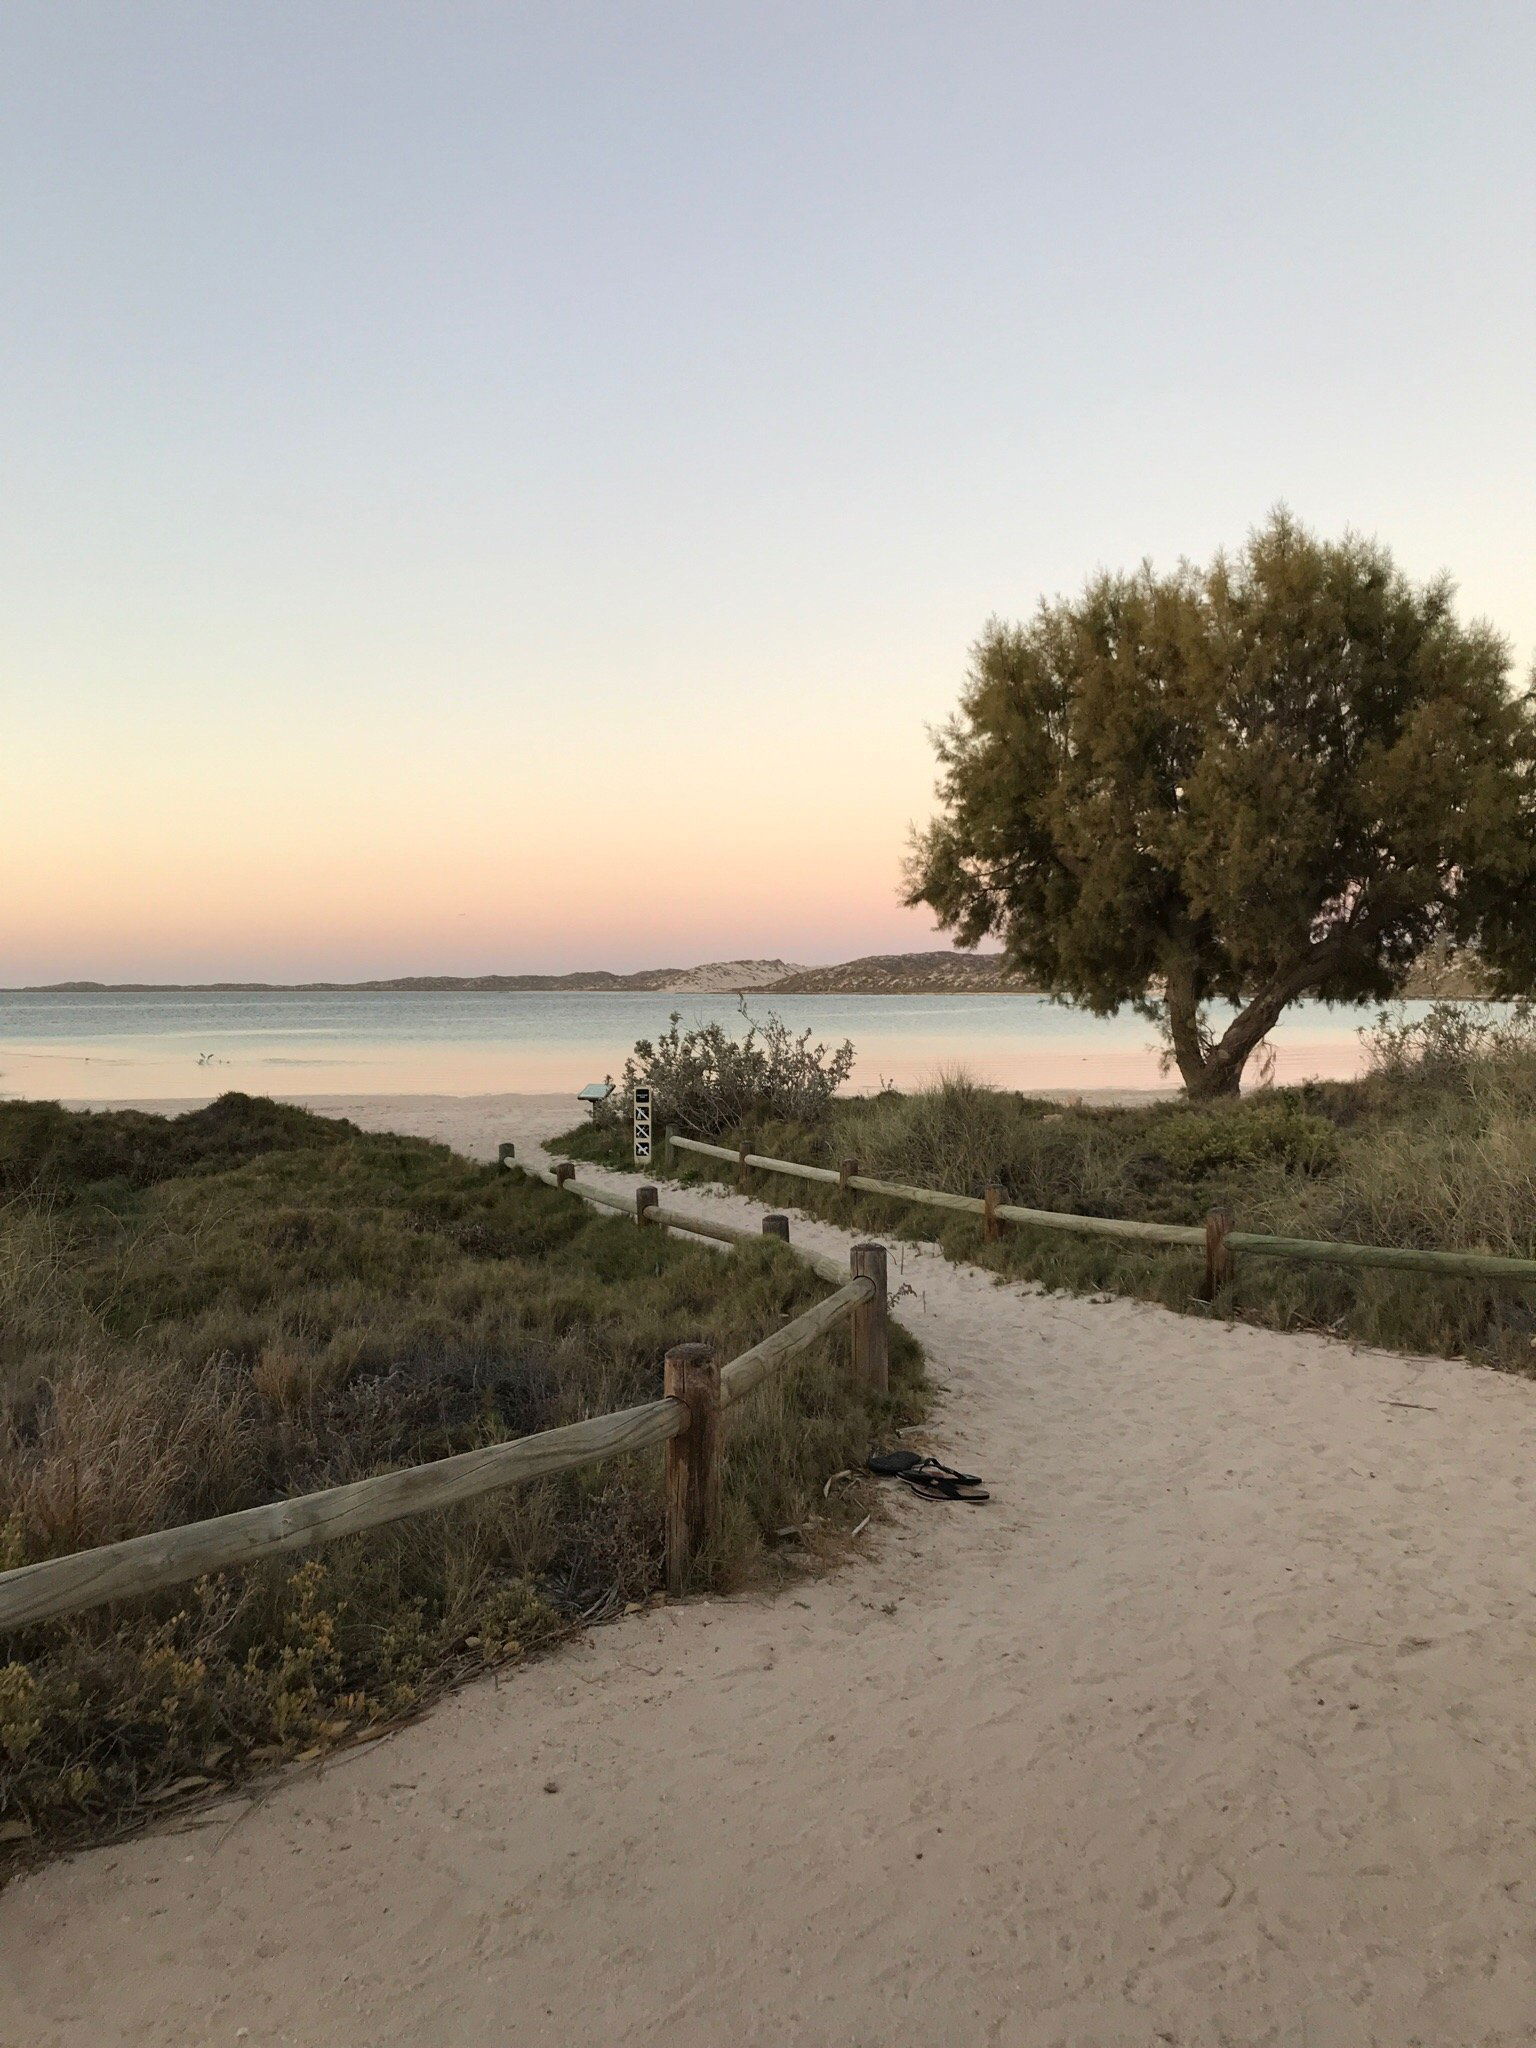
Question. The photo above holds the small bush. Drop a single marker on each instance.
(1450, 1039)
(705, 1081)
(1199, 1144)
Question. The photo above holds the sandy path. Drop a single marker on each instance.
(1215, 1727)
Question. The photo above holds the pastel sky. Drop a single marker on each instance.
(506, 486)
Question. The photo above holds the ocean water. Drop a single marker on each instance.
(99, 1047)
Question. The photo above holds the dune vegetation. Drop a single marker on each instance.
(248, 1302)
(1435, 1146)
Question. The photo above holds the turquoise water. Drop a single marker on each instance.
(100, 1047)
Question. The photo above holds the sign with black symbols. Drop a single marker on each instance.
(642, 1126)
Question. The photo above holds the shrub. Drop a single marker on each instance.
(705, 1081)
(1274, 1130)
(210, 1339)
(70, 1152)
(1449, 1039)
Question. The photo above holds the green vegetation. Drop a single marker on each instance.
(1288, 773)
(1434, 1147)
(250, 1302)
(705, 1080)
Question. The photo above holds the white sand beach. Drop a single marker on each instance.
(1213, 1727)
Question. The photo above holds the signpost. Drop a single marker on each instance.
(642, 1126)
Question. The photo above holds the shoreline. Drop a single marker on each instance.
(535, 1105)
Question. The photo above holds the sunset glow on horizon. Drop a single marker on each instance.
(509, 491)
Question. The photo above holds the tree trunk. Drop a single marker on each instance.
(1221, 1075)
(1184, 1034)
(1212, 1071)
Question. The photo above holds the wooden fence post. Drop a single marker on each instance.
(871, 1330)
(847, 1168)
(776, 1226)
(991, 1227)
(743, 1177)
(692, 1376)
(671, 1138)
(1218, 1258)
(645, 1198)
(563, 1172)
(506, 1152)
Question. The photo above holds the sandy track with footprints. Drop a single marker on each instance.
(1215, 1727)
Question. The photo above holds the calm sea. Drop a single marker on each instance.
(101, 1047)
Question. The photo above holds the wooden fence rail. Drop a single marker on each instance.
(677, 1220)
(1398, 1258)
(171, 1557)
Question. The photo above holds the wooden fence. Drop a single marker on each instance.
(1216, 1237)
(687, 1420)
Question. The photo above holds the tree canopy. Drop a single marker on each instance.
(1283, 774)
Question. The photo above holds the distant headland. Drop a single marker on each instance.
(1440, 973)
(876, 974)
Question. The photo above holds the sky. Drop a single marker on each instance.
(509, 487)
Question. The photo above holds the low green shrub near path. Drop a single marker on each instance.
(1434, 1147)
(203, 1314)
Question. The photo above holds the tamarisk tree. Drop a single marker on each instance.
(1281, 775)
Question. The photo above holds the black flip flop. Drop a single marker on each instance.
(891, 1464)
(898, 1464)
(940, 1486)
(927, 1477)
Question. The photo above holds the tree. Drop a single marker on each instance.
(1284, 774)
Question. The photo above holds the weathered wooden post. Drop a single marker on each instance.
(671, 1139)
(1218, 1256)
(692, 1376)
(645, 1198)
(776, 1226)
(563, 1172)
(743, 1177)
(871, 1329)
(991, 1195)
(506, 1152)
(847, 1168)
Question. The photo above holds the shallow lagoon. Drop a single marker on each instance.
(98, 1046)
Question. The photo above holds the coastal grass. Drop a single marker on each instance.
(202, 1314)
(1434, 1147)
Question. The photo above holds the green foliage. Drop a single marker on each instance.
(1452, 1040)
(66, 1153)
(1197, 1145)
(270, 1320)
(705, 1080)
(1288, 772)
